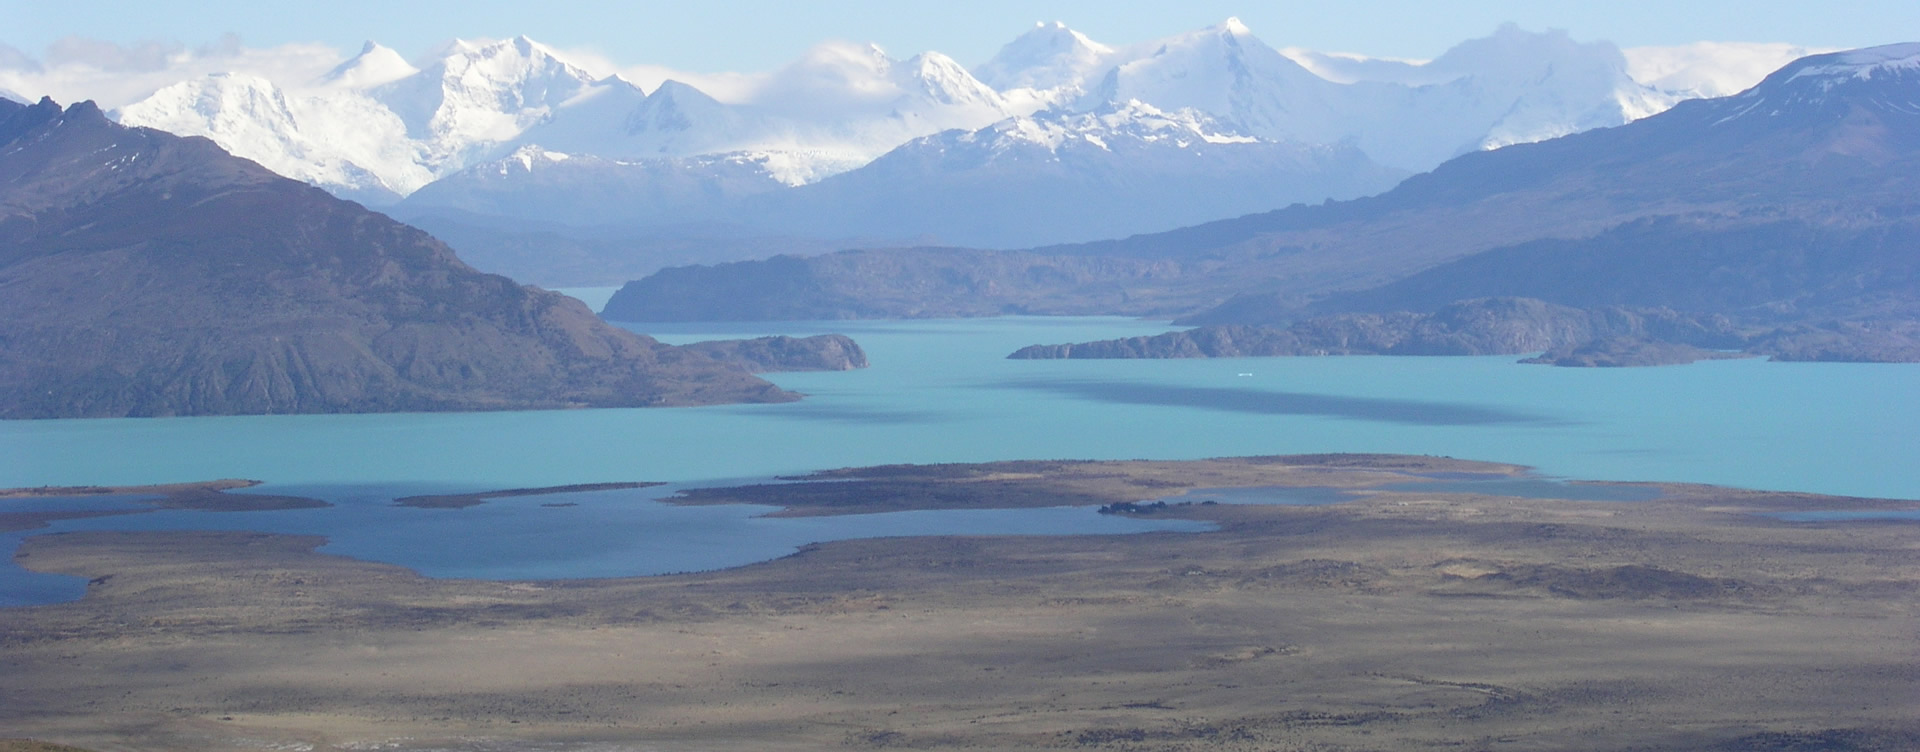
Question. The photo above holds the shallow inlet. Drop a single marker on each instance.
(615, 533)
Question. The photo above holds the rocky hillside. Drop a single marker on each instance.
(894, 283)
(1567, 336)
(147, 274)
(821, 352)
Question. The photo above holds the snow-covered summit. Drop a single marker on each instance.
(479, 93)
(376, 125)
(594, 118)
(1825, 87)
(848, 82)
(374, 128)
(1513, 86)
(1230, 74)
(1555, 85)
(1050, 57)
(940, 80)
(375, 65)
(1131, 121)
(340, 140)
(1864, 64)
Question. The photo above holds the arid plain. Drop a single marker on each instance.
(1395, 620)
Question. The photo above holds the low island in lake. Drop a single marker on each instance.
(1429, 609)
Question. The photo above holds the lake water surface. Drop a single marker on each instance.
(942, 391)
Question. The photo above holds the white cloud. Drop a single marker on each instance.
(12, 59)
(113, 75)
(1711, 69)
(1349, 67)
(140, 57)
(731, 88)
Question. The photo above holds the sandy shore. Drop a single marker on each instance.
(1394, 621)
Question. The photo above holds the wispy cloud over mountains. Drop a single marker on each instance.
(377, 126)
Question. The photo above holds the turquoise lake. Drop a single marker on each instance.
(942, 391)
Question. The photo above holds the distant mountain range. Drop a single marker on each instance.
(148, 274)
(378, 123)
(1793, 208)
(506, 145)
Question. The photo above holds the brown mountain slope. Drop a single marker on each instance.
(146, 274)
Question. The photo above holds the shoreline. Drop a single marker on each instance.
(1006, 484)
(1399, 619)
(464, 500)
(207, 496)
(160, 489)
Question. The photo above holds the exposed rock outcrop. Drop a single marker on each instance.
(821, 352)
(899, 283)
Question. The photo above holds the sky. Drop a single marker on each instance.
(757, 35)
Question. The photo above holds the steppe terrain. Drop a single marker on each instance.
(1397, 620)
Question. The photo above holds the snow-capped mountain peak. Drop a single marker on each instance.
(1132, 120)
(1227, 72)
(1884, 79)
(1556, 85)
(675, 107)
(1865, 64)
(339, 139)
(376, 126)
(1514, 53)
(375, 65)
(942, 80)
(480, 93)
(1047, 57)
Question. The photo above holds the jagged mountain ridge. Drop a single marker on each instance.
(477, 101)
(149, 274)
(842, 105)
(849, 126)
(1027, 181)
(1065, 176)
(1792, 204)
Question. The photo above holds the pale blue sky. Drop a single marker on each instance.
(754, 35)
